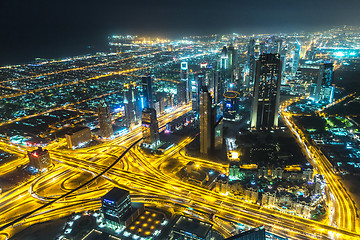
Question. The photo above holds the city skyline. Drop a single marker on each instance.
(182, 123)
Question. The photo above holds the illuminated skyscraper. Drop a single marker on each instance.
(251, 63)
(39, 159)
(146, 83)
(150, 128)
(196, 85)
(296, 59)
(266, 92)
(231, 106)
(184, 88)
(106, 130)
(131, 104)
(324, 90)
(205, 121)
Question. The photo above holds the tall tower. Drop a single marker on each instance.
(296, 59)
(106, 130)
(205, 121)
(266, 100)
(183, 90)
(150, 128)
(251, 62)
(132, 115)
(324, 91)
(146, 83)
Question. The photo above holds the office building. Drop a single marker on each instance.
(266, 97)
(106, 130)
(296, 59)
(253, 234)
(231, 106)
(190, 228)
(324, 90)
(78, 136)
(205, 121)
(150, 128)
(196, 84)
(250, 63)
(39, 159)
(131, 105)
(218, 134)
(184, 87)
(115, 206)
(147, 99)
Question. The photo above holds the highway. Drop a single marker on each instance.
(142, 174)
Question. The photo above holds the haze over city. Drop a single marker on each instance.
(229, 120)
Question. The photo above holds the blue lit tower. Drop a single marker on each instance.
(131, 104)
(266, 101)
(104, 114)
(296, 58)
(231, 106)
(146, 83)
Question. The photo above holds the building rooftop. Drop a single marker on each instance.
(76, 129)
(246, 233)
(98, 235)
(193, 226)
(115, 194)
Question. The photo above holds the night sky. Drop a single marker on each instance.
(55, 28)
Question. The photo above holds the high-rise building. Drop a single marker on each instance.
(296, 59)
(231, 106)
(196, 84)
(266, 99)
(150, 128)
(218, 134)
(324, 90)
(106, 130)
(131, 104)
(251, 63)
(147, 100)
(115, 206)
(231, 63)
(39, 159)
(205, 121)
(184, 87)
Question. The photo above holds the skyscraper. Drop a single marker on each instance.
(184, 88)
(251, 63)
(205, 121)
(266, 92)
(196, 84)
(231, 106)
(146, 83)
(150, 128)
(324, 91)
(106, 130)
(131, 104)
(296, 59)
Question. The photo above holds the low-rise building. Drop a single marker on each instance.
(78, 136)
